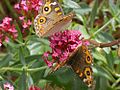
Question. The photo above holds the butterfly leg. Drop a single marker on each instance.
(57, 66)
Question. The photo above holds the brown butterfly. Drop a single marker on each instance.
(80, 61)
(51, 19)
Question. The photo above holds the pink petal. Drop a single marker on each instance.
(29, 22)
(49, 63)
(25, 25)
(0, 44)
(17, 6)
(21, 17)
(8, 86)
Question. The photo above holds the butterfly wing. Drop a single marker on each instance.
(61, 25)
(51, 19)
(81, 63)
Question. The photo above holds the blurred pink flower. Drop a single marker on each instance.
(21, 18)
(28, 5)
(29, 22)
(7, 30)
(17, 6)
(7, 86)
(45, 57)
(27, 9)
(62, 44)
(6, 20)
(34, 88)
(26, 24)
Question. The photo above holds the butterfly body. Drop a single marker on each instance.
(51, 19)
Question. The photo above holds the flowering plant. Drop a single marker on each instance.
(7, 86)
(7, 30)
(62, 44)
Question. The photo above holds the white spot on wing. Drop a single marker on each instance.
(54, 3)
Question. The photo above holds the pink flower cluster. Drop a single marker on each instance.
(7, 30)
(62, 44)
(34, 88)
(28, 5)
(27, 9)
(25, 23)
(7, 86)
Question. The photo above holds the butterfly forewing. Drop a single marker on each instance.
(51, 19)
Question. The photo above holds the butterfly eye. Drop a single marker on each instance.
(46, 9)
(41, 20)
(88, 59)
(87, 72)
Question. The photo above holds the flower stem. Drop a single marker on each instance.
(104, 26)
(117, 81)
(10, 7)
(1, 10)
(37, 69)
(21, 69)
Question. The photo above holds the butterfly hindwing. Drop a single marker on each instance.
(81, 64)
(80, 60)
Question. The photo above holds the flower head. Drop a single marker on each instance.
(27, 9)
(34, 88)
(7, 86)
(7, 30)
(27, 6)
(64, 43)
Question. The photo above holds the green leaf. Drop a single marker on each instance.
(22, 81)
(81, 29)
(1, 85)
(110, 60)
(101, 71)
(38, 46)
(67, 78)
(78, 84)
(82, 11)
(101, 83)
(99, 56)
(33, 57)
(70, 4)
(21, 56)
(94, 12)
(104, 37)
(113, 7)
(30, 80)
(20, 37)
(1, 10)
(36, 76)
(5, 61)
(42, 83)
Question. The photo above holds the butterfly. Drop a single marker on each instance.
(51, 19)
(80, 60)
